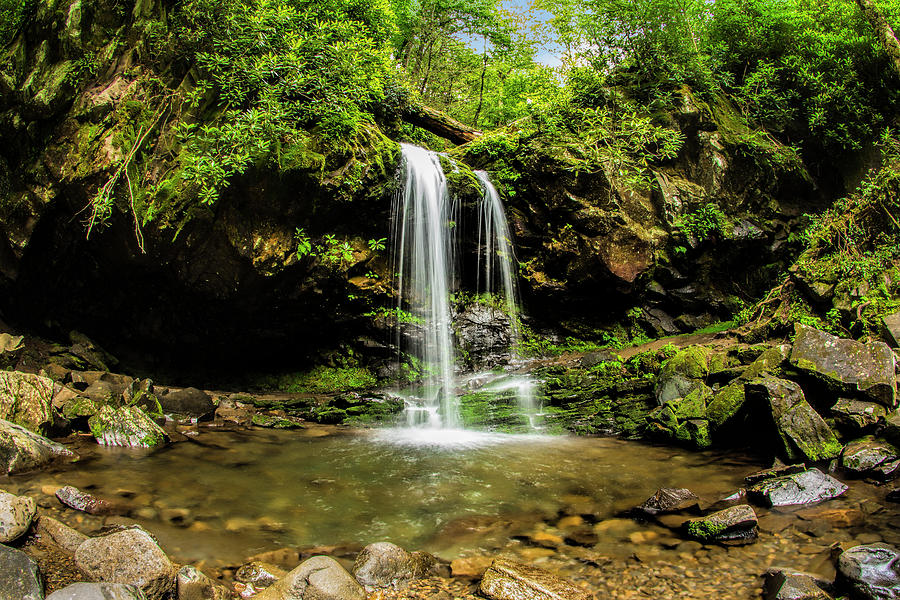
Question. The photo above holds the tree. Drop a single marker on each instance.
(882, 30)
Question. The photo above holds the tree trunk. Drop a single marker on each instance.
(439, 124)
(883, 32)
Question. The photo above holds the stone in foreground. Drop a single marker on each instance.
(386, 565)
(16, 514)
(734, 524)
(507, 580)
(847, 364)
(59, 534)
(668, 500)
(128, 426)
(20, 578)
(872, 571)
(784, 585)
(23, 450)
(799, 488)
(804, 434)
(192, 584)
(129, 556)
(318, 578)
(98, 591)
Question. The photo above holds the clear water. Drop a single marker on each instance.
(246, 492)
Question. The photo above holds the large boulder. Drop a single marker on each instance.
(871, 457)
(857, 416)
(786, 585)
(891, 329)
(22, 450)
(20, 578)
(684, 419)
(728, 401)
(508, 580)
(16, 515)
(805, 487)
(98, 591)
(803, 433)
(59, 534)
(129, 556)
(684, 372)
(189, 401)
(127, 426)
(483, 332)
(26, 399)
(385, 565)
(869, 368)
(318, 578)
(734, 524)
(872, 571)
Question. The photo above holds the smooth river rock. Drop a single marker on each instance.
(20, 578)
(129, 556)
(189, 401)
(798, 488)
(191, 584)
(59, 534)
(784, 585)
(75, 498)
(508, 580)
(98, 591)
(386, 565)
(668, 500)
(847, 364)
(872, 571)
(318, 578)
(16, 514)
(23, 450)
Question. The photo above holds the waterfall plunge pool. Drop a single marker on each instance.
(227, 495)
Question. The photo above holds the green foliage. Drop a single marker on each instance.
(323, 379)
(704, 223)
(13, 14)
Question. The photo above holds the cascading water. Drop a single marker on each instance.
(424, 258)
(425, 225)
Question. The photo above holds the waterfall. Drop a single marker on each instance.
(425, 226)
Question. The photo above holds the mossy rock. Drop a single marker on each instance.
(127, 426)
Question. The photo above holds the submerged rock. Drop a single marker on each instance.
(667, 500)
(786, 585)
(872, 571)
(16, 515)
(260, 575)
(75, 498)
(20, 578)
(508, 580)
(803, 433)
(386, 565)
(798, 488)
(318, 578)
(26, 399)
(100, 591)
(128, 426)
(734, 524)
(22, 450)
(871, 457)
(129, 556)
(847, 364)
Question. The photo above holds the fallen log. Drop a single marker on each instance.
(439, 124)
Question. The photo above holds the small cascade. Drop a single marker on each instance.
(425, 241)
(497, 268)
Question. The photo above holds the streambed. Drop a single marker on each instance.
(226, 495)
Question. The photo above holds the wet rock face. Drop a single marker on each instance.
(16, 514)
(482, 332)
(872, 571)
(98, 591)
(508, 580)
(19, 576)
(805, 487)
(21, 449)
(869, 369)
(734, 524)
(803, 433)
(129, 556)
